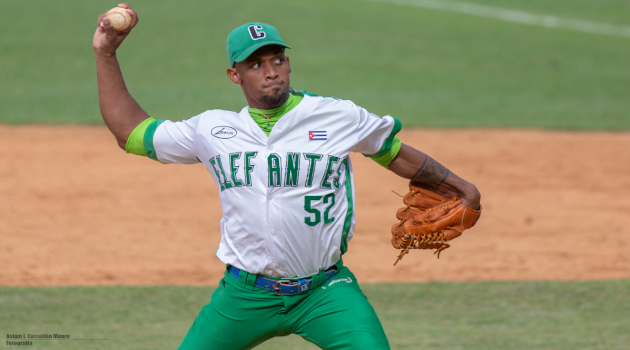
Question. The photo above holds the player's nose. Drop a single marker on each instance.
(270, 71)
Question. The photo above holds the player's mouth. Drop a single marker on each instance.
(274, 86)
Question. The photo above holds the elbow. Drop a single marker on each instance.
(122, 143)
(473, 192)
(472, 196)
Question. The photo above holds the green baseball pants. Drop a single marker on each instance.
(335, 315)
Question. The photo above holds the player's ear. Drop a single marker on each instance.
(289, 62)
(234, 76)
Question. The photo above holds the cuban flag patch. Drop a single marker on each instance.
(317, 136)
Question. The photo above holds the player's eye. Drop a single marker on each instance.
(279, 60)
(256, 65)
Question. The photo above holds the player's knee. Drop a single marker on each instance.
(359, 340)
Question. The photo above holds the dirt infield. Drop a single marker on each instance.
(76, 210)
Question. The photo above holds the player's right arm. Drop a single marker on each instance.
(119, 109)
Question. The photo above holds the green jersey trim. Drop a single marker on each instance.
(387, 145)
(266, 124)
(135, 142)
(148, 139)
(304, 92)
(347, 223)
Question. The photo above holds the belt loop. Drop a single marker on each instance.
(318, 279)
(242, 276)
(322, 278)
(251, 281)
(246, 279)
(315, 280)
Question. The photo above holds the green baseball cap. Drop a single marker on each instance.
(244, 40)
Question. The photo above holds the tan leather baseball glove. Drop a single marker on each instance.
(430, 221)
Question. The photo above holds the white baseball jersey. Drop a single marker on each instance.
(287, 198)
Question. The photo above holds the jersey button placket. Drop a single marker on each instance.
(274, 218)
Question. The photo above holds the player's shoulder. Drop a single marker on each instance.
(216, 113)
(214, 116)
(328, 102)
(204, 120)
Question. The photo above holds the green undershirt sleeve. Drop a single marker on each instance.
(390, 148)
(386, 158)
(135, 142)
(148, 139)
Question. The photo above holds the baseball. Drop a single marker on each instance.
(119, 18)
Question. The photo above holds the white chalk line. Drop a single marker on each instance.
(515, 16)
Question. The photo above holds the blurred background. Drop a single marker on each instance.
(452, 66)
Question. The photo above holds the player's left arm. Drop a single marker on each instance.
(378, 141)
(426, 172)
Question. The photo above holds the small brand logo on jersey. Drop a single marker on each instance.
(223, 132)
(317, 136)
(255, 31)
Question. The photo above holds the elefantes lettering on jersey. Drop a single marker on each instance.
(282, 171)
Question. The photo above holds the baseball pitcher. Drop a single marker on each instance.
(285, 181)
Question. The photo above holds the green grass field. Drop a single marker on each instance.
(427, 67)
(472, 316)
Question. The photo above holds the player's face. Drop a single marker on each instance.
(264, 77)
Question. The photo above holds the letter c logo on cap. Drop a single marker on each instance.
(255, 31)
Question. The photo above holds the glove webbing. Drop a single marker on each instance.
(418, 241)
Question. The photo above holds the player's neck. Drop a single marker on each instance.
(268, 113)
(268, 104)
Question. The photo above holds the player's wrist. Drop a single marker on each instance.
(106, 54)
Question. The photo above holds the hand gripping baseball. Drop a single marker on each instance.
(430, 220)
(106, 38)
